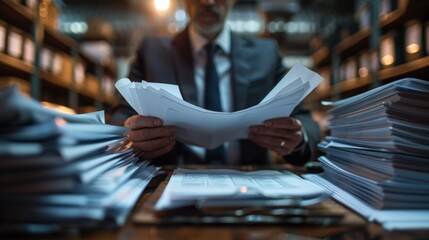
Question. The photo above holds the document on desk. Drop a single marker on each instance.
(209, 129)
(188, 187)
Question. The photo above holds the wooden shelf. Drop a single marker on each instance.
(323, 94)
(417, 68)
(353, 84)
(407, 10)
(352, 44)
(342, 87)
(321, 57)
(59, 41)
(10, 66)
(55, 80)
(396, 17)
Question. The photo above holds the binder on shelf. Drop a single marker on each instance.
(79, 73)
(46, 57)
(351, 68)
(392, 49)
(57, 63)
(427, 37)
(3, 31)
(348, 69)
(15, 40)
(374, 60)
(66, 69)
(413, 40)
(387, 6)
(29, 50)
(364, 64)
(363, 16)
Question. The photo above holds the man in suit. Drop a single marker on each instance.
(246, 70)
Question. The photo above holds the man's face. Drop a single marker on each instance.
(208, 16)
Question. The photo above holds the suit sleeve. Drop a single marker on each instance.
(122, 110)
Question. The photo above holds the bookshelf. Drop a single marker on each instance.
(354, 64)
(55, 68)
(368, 40)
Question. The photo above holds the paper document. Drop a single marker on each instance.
(188, 187)
(395, 219)
(62, 171)
(209, 129)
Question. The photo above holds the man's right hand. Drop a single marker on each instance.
(149, 136)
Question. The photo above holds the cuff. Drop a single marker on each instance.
(303, 144)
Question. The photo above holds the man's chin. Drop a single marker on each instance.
(209, 30)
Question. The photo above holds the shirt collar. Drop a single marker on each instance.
(223, 40)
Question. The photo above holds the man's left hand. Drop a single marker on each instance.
(280, 135)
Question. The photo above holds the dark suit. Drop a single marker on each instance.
(256, 68)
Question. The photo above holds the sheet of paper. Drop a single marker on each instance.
(187, 187)
(209, 129)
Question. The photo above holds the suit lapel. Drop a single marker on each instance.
(184, 66)
(240, 63)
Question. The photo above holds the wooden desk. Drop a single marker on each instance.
(352, 226)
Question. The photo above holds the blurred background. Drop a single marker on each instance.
(124, 23)
(69, 53)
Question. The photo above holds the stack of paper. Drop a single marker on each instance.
(59, 170)
(210, 129)
(232, 188)
(378, 153)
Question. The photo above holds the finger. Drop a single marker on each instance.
(276, 132)
(138, 121)
(146, 134)
(159, 152)
(285, 150)
(152, 145)
(282, 151)
(285, 123)
(270, 142)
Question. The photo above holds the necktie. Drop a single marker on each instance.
(212, 101)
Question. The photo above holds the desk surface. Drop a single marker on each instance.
(352, 226)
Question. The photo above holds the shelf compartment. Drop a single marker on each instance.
(59, 41)
(353, 43)
(17, 15)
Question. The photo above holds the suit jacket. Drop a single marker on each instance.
(256, 68)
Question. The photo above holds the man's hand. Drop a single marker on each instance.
(149, 136)
(280, 135)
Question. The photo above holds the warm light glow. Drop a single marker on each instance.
(363, 72)
(387, 60)
(58, 108)
(413, 48)
(243, 189)
(162, 5)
